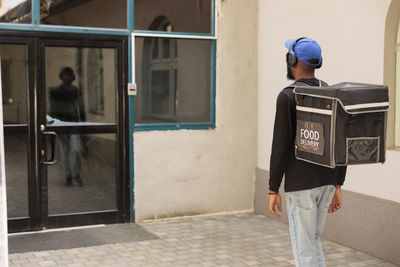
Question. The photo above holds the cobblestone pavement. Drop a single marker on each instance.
(229, 240)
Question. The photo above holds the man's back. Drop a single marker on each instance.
(299, 175)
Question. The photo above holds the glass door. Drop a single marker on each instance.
(15, 75)
(66, 125)
(82, 138)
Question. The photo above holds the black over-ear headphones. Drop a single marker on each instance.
(67, 69)
(291, 58)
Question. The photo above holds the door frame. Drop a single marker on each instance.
(37, 184)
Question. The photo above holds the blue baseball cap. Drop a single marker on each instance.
(305, 49)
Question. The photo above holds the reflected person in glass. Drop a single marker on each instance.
(66, 104)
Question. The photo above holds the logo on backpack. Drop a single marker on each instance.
(310, 137)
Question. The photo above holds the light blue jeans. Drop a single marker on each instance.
(307, 211)
(71, 146)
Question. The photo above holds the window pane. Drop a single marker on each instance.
(90, 160)
(16, 151)
(88, 13)
(16, 11)
(15, 112)
(81, 85)
(174, 88)
(173, 15)
(14, 83)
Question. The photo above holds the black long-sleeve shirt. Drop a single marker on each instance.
(299, 175)
(66, 103)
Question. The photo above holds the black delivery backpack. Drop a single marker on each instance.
(341, 124)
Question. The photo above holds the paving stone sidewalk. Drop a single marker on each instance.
(229, 240)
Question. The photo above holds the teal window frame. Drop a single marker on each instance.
(184, 35)
(182, 125)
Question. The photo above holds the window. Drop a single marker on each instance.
(88, 13)
(185, 15)
(16, 11)
(174, 55)
(160, 75)
(174, 80)
(14, 80)
(84, 13)
(93, 85)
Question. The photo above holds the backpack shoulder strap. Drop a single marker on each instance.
(322, 83)
(293, 85)
(297, 83)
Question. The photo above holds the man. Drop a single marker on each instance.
(66, 104)
(311, 190)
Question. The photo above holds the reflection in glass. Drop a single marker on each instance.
(66, 100)
(184, 15)
(16, 157)
(89, 161)
(16, 11)
(166, 48)
(175, 82)
(14, 83)
(160, 91)
(14, 88)
(80, 85)
(85, 13)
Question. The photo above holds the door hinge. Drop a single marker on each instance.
(132, 89)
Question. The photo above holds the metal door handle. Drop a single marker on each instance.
(54, 150)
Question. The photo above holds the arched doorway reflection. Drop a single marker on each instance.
(160, 74)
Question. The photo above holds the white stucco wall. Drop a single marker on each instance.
(351, 34)
(190, 172)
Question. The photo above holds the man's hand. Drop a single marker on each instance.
(336, 200)
(274, 199)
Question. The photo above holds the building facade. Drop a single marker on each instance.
(174, 106)
(127, 111)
